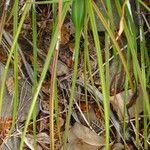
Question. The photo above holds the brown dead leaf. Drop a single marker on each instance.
(10, 85)
(117, 102)
(84, 107)
(71, 46)
(61, 121)
(81, 137)
(118, 146)
(97, 111)
(3, 56)
(65, 35)
(80, 145)
(42, 139)
(43, 124)
(4, 127)
(69, 62)
(45, 87)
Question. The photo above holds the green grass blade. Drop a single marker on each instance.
(74, 77)
(47, 2)
(101, 69)
(35, 66)
(26, 8)
(134, 57)
(103, 20)
(45, 68)
(85, 61)
(15, 102)
(144, 5)
(143, 50)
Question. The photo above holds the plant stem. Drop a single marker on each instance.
(75, 69)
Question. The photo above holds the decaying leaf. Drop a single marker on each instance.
(42, 138)
(118, 146)
(81, 137)
(64, 35)
(80, 145)
(71, 46)
(84, 107)
(43, 124)
(118, 100)
(10, 85)
(4, 127)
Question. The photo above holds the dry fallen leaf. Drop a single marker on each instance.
(10, 85)
(84, 107)
(43, 124)
(80, 145)
(42, 139)
(4, 127)
(61, 122)
(69, 62)
(117, 102)
(81, 137)
(71, 46)
(65, 35)
(118, 146)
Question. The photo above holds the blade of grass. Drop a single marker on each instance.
(74, 77)
(144, 5)
(78, 17)
(134, 57)
(132, 30)
(112, 26)
(54, 9)
(101, 69)
(107, 44)
(3, 18)
(89, 68)
(57, 112)
(15, 102)
(85, 61)
(114, 42)
(35, 66)
(45, 68)
(143, 50)
(53, 78)
(26, 8)
(48, 2)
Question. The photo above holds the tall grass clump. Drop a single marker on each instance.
(83, 14)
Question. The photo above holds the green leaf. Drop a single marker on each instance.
(78, 13)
